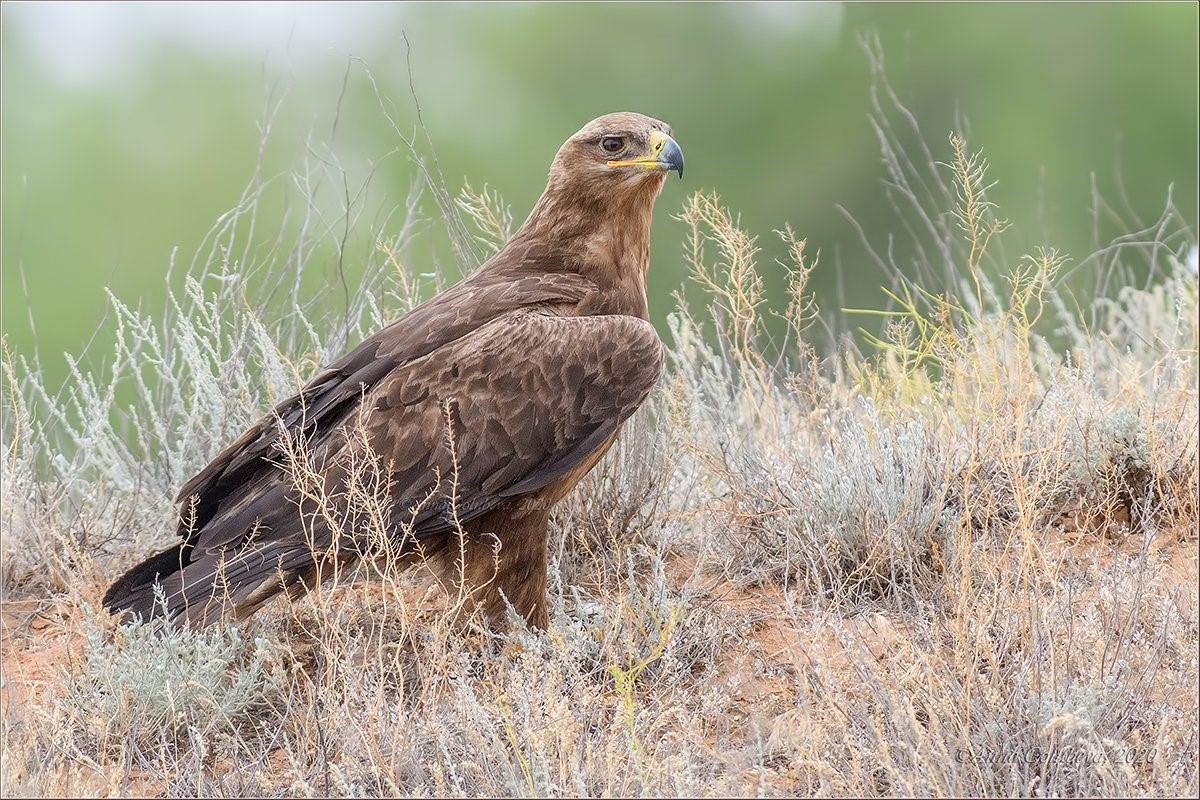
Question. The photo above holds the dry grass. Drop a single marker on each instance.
(959, 562)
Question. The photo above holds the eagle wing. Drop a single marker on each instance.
(241, 475)
(499, 412)
(508, 411)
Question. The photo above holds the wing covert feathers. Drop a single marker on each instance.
(465, 418)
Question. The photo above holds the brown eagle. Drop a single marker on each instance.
(481, 409)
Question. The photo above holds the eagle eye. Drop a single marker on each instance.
(612, 144)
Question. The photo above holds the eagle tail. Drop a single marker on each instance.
(174, 587)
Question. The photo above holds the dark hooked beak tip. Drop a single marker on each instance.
(671, 157)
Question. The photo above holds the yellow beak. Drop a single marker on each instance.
(664, 155)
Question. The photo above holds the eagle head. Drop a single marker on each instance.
(622, 150)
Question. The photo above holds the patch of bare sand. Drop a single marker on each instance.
(36, 644)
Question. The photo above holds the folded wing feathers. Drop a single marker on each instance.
(530, 396)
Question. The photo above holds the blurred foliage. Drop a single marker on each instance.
(103, 179)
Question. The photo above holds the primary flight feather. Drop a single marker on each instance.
(465, 420)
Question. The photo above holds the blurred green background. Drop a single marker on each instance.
(127, 128)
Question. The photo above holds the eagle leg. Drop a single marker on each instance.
(496, 561)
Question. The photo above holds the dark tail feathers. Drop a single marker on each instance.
(201, 590)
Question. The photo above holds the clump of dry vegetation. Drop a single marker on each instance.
(954, 555)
